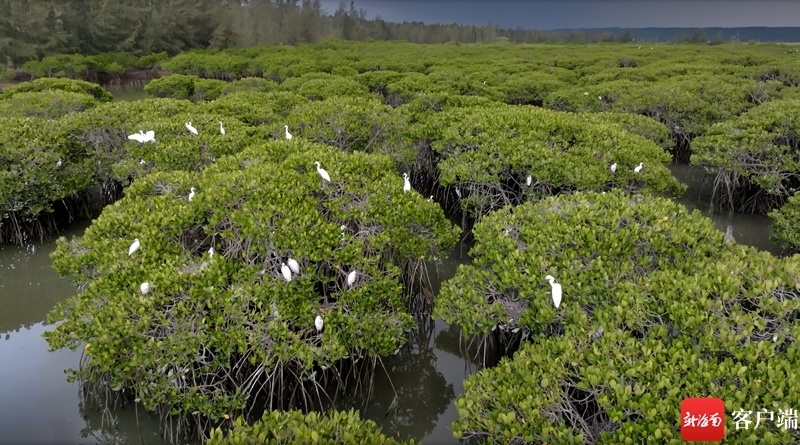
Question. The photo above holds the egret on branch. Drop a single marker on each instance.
(406, 183)
(638, 167)
(613, 167)
(191, 128)
(143, 137)
(58, 164)
(145, 288)
(322, 172)
(191, 194)
(287, 274)
(211, 252)
(288, 135)
(294, 265)
(555, 290)
(319, 323)
(351, 278)
(134, 246)
(221, 128)
(528, 180)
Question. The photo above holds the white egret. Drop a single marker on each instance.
(319, 323)
(191, 128)
(150, 136)
(322, 172)
(614, 167)
(221, 128)
(351, 278)
(275, 312)
(729, 239)
(145, 288)
(406, 183)
(288, 135)
(211, 252)
(141, 161)
(585, 93)
(58, 164)
(430, 199)
(139, 137)
(638, 167)
(528, 180)
(134, 246)
(556, 290)
(294, 265)
(287, 273)
(458, 193)
(191, 194)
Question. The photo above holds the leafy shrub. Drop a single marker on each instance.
(31, 179)
(760, 150)
(50, 104)
(230, 320)
(293, 427)
(68, 85)
(178, 86)
(488, 153)
(655, 308)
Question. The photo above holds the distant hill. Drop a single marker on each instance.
(744, 34)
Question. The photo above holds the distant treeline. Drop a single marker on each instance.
(32, 29)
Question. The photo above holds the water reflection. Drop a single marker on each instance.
(128, 90)
(753, 230)
(40, 405)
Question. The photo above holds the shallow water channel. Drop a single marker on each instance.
(40, 406)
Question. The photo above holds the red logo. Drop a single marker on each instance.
(703, 419)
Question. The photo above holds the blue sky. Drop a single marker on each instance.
(553, 14)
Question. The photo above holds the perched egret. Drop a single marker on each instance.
(585, 93)
(134, 246)
(191, 128)
(322, 172)
(145, 288)
(294, 265)
(458, 193)
(430, 199)
(139, 137)
(406, 183)
(211, 252)
(319, 323)
(288, 135)
(287, 273)
(58, 164)
(191, 194)
(638, 167)
(729, 239)
(141, 162)
(556, 290)
(351, 278)
(614, 167)
(528, 180)
(221, 128)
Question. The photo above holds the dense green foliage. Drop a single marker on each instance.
(681, 315)
(51, 28)
(40, 167)
(233, 316)
(786, 223)
(471, 120)
(50, 84)
(488, 153)
(759, 149)
(294, 428)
